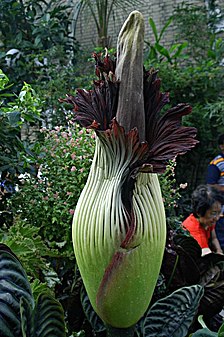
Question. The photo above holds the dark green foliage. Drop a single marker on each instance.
(196, 77)
(191, 268)
(204, 333)
(215, 112)
(172, 315)
(19, 315)
(48, 317)
(43, 209)
(221, 331)
(47, 201)
(15, 154)
(93, 318)
(39, 26)
(13, 285)
(120, 332)
(213, 282)
(180, 261)
(188, 253)
(157, 51)
(24, 240)
(102, 12)
(45, 53)
(197, 26)
(60, 76)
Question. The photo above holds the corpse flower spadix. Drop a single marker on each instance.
(119, 225)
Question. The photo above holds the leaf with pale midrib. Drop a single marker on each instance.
(13, 285)
(173, 315)
(48, 317)
(95, 321)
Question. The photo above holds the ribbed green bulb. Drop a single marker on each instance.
(119, 281)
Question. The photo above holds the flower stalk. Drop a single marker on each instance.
(119, 225)
(119, 332)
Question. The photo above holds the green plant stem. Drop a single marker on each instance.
(173, 272)
(120, 332)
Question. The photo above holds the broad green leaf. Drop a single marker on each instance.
(154, 29)
(163, 51)
(189, 252)
(48, 317)
(172, 315)
(14, 118)
(211, 54)
(165, 27)
(3, 80)
(204, 333)
(26, 317)
(153, 53)
(96, 323)
(212, 280)
(179, 48)
(221, 331)
(37, 40)
(13, 285)
(6, 94)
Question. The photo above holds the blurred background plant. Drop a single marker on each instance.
(47, 200)
(16, 155)
(158, 52)
(37, 47)
(24, 240)
(170, 190)
(103, 12)
(195, 76)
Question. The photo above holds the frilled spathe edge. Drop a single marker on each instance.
(165, 136)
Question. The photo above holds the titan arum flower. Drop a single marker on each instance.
(119, 226)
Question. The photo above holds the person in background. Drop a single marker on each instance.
(206, 209)
(215, 178)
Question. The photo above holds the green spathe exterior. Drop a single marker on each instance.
(119, 281)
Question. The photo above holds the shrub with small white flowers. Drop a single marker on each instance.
(47, 200)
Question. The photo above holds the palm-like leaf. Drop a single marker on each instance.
(101, 12)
